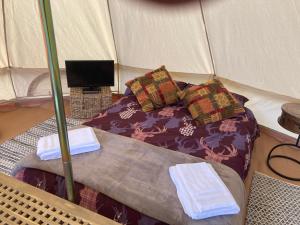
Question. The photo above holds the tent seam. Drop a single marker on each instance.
(114, 40)
(207, 39)
(6, 47)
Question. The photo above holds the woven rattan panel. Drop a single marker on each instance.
(19, 207)
(86, 105)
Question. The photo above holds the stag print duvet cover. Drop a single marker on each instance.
(229, 141)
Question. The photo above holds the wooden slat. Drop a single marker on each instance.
(21, 203)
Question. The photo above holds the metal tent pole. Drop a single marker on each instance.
(46, 17)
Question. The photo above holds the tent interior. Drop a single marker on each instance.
(252, 46)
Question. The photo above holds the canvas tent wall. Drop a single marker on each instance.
(252, 44)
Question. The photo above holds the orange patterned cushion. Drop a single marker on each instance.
(210, 102)
(155, 89)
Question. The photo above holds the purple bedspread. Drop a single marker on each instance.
(229, 141)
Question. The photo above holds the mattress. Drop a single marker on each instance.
(86, 197)
(229, 142)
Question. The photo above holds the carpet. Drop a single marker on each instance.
(273, 202)
(18, 147)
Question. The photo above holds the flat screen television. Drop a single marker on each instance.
(90, 73)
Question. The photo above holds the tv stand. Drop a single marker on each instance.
(86, 103)
(91, 90)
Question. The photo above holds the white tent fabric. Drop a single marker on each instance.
(6, 87)
(36, 82)
(256, 42)
(24, 34)
(82, 31)
(149, 34)
(127, 73)
(3, 53)
(266, 106)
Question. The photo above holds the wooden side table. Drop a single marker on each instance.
(86, 105)
(290, 120)
(21, 203)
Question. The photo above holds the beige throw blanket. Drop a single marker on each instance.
(136, 174)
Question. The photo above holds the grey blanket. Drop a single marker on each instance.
(136, 174)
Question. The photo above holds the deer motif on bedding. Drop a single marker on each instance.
(229, 125)
(218, 156)
(117, 128)
(129, 112)
(185, 145)
(121, 215)
(101, 115)
(188, 128)
(168, 111)
(229, 141)
(141, 135)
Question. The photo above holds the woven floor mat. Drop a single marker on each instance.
(18, 147)
(273, 202)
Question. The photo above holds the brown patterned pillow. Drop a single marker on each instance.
(210, 102)
(155, 89)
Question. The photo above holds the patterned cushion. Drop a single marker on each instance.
(180, 84)
(155, 89)
(242, 99)
(210, 102)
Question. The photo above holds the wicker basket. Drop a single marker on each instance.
(87, 105)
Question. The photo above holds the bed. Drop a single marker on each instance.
(229, 142)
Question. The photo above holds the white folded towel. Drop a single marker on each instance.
(80, 140)
(201, 191)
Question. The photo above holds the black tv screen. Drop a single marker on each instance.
(90, 73)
